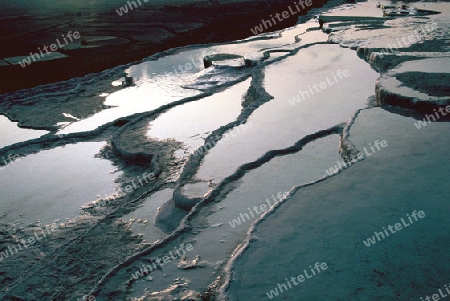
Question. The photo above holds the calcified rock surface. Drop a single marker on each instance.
(410, 52)
(292, 123)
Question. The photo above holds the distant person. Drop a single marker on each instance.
(321, 22)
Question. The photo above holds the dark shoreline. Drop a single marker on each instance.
(193, 25)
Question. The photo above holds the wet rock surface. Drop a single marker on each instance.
(275, 140)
